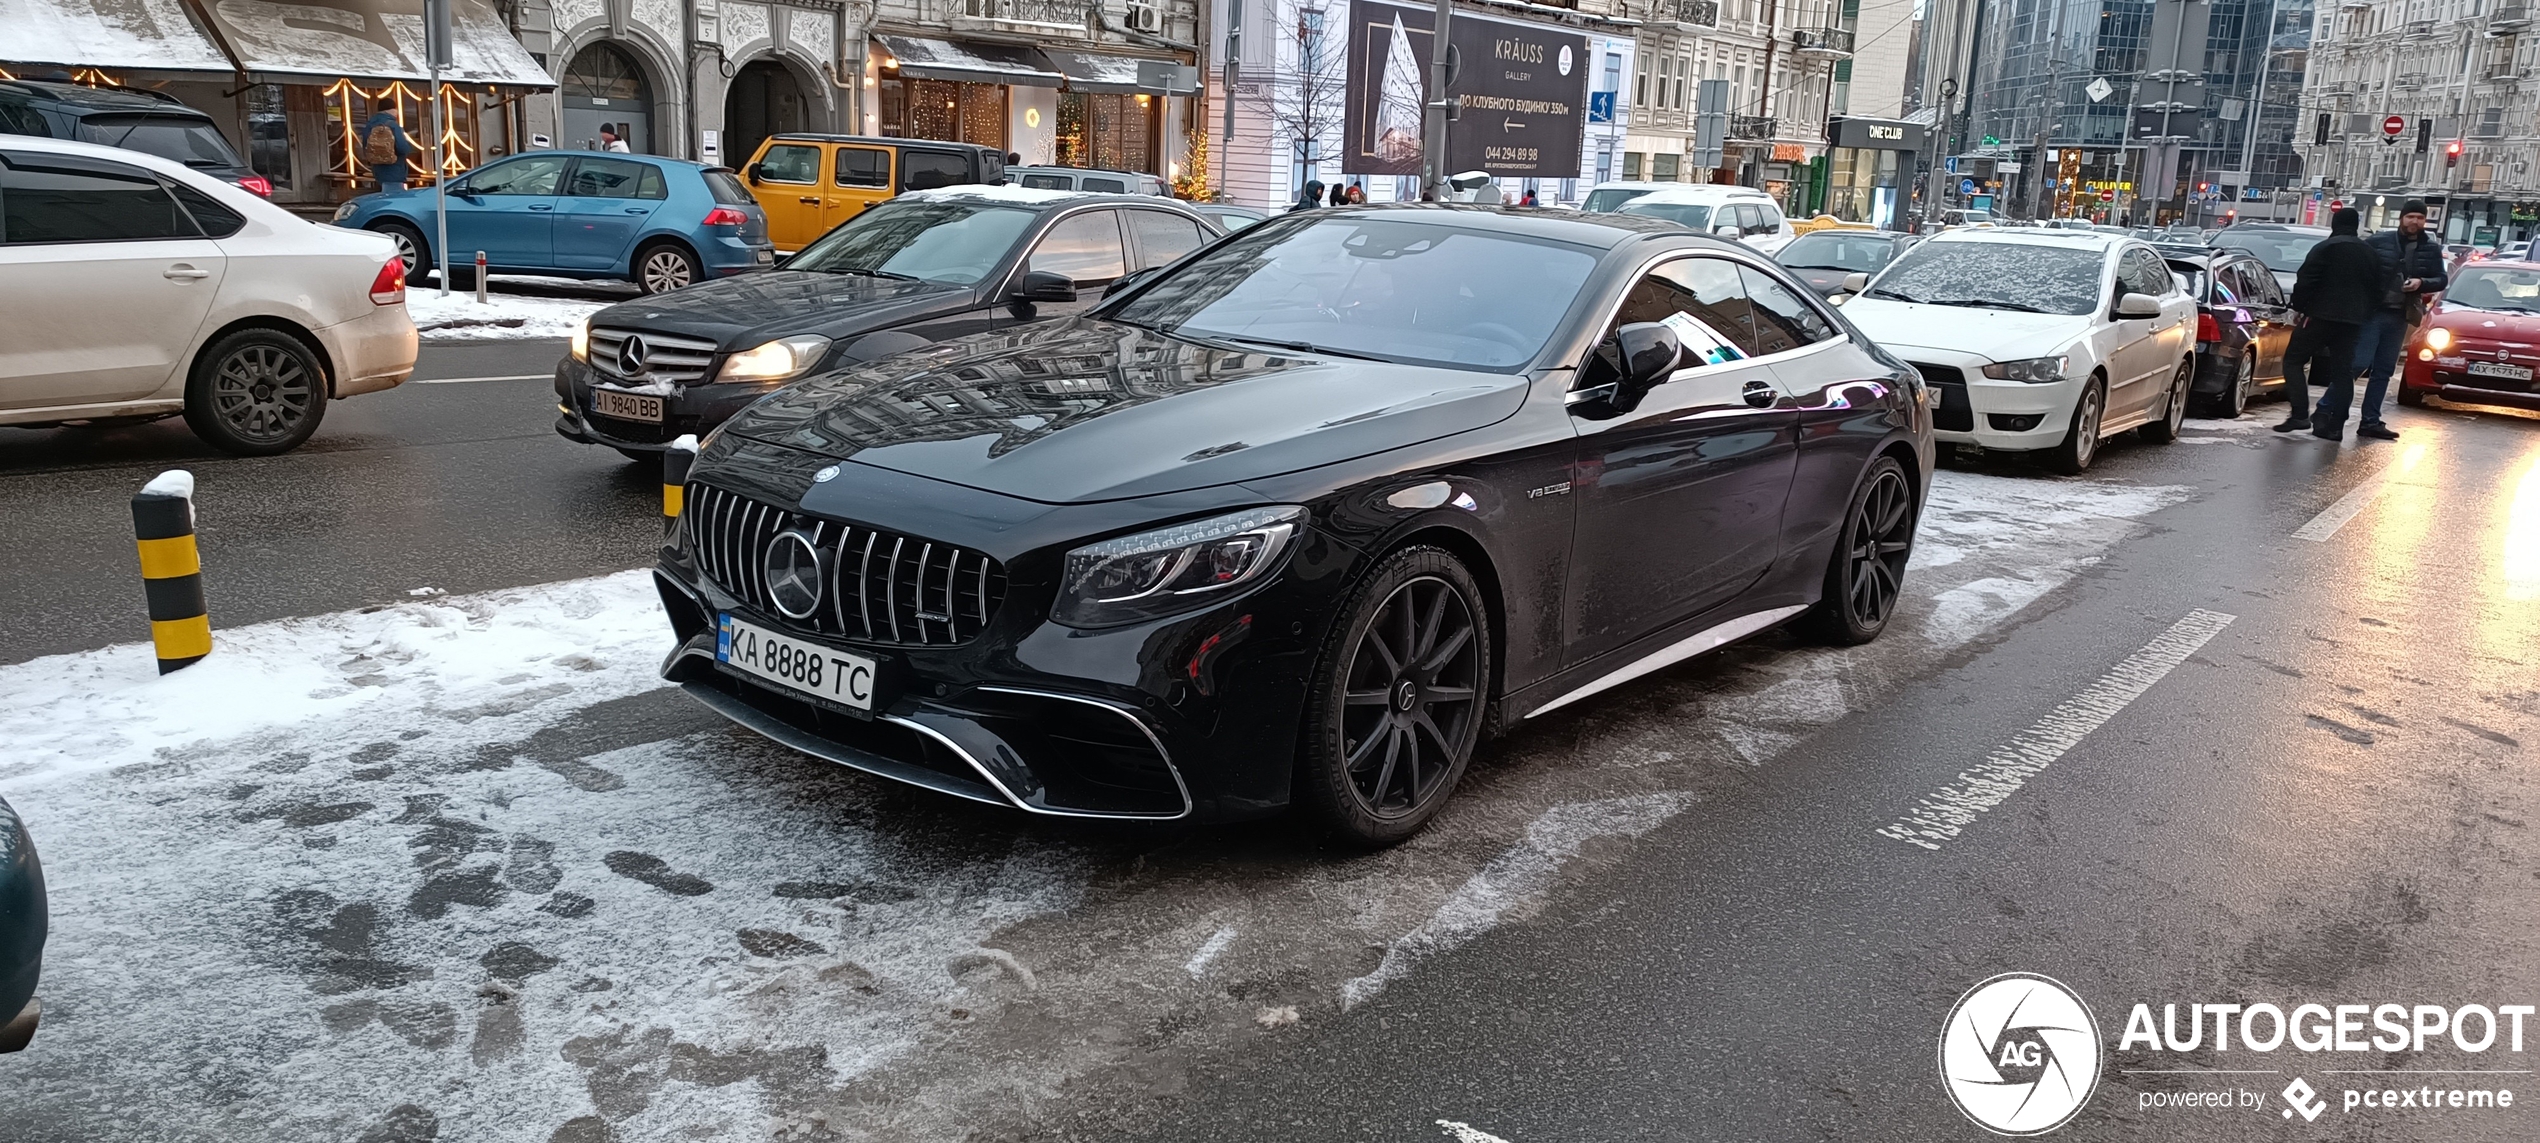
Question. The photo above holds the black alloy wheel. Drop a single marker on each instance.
(1399, 699)
(2174, 407)
(256, 392)
(1866, 576)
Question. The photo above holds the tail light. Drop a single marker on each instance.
(726, 216)
(2207, 329)
(389, 288)
(258, 183)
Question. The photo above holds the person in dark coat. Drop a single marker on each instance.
(385, 147)
(2334, 293)
(2411, 267)
(1340, 195)
(1313, 196)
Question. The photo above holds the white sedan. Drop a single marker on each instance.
(2037, 339)
(135, 289)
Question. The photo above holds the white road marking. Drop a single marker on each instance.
(2348, 506)
(1946, 811)
(1216, 943)
(472, 380)
(1467, 1133)
(1519, 875)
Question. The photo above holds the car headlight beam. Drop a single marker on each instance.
(580, 345)
(1170, 570)
(2438, 339)
(778, 360)
(2034, 370)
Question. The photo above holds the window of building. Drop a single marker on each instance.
(1662, 167)
(1631, 164)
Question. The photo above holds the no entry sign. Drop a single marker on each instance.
(2393, 125)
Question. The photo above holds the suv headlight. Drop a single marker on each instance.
(1155, 574)
(2034, 370)
(777, 360)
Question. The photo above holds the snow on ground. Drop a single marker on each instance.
(461, 866)
(458, 317)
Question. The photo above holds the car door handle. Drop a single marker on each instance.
(184, 273)
(541, 206)
(808, 201)
(1760, 394)
(639, 210)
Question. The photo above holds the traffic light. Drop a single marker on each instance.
(2452, 153)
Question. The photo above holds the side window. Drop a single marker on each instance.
(533, 175)
(1085, 247)
(1749, 219)
(926, 170)
(1163, 237)
(216, 221)
(790, 163)
(2224, 285)
(16, 118)
(1702, 300)
(605, 178)
(864, 167)
(653, 185)
(1783, 320)
(1772, 218)
(1049, 182)
(2154, 273)
(2262, 287)
(87, 202)
(1106, 186)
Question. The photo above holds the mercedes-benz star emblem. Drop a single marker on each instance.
(630, 357)
(793, 574)
(825, 475)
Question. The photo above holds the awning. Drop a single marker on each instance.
(140, 35)
(922, 58)
(372, 39)
(1092, 71)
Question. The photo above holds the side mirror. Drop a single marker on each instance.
(1729, 230)
(1638, 356)
(2132, 305)
(1855, 283)
(1128, 280)
(754, 171)
(1044, 286)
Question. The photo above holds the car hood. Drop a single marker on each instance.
(1086, 410)
(1997, 335)
(743, 311)
(1823, 279)
(2486, 325)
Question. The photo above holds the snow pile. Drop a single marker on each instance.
(503, 316)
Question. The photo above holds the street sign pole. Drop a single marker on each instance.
(1433, 172)
(436, 50)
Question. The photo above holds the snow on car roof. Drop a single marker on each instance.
(998, 192)
(1701, 192)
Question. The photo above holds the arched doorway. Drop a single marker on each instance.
(603, 88)
(764, 99)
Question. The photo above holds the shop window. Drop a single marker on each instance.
(350, 105)
(1106, 132)
(944, 110)
(269, 134)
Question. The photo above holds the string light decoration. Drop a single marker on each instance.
(355, 104)
(91, 77)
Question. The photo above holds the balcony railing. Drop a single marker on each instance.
(1068, 12)
(1697, 13)
(1833, 43)
(1751, 126)
(2417, 29)
(2502, 71)
(2408, 79)
(2487, 129)
(2509, 17)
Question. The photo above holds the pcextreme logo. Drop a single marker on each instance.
(2020, 1054)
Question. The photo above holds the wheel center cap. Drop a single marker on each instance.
(1405, 694)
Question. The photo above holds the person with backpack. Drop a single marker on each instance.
(385, 149)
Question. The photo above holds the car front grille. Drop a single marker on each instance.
(879, 586)
(666, 357)
(1954, 414)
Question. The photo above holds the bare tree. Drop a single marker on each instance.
(1304, 95)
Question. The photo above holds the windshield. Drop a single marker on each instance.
(189, 141)
(2279, 249)
(1367, 286)
(955, 242)
(1975, 216)
(1680, 213)
(1609, 199)
(1856, 250)
(1998, 275)
(2495, 288)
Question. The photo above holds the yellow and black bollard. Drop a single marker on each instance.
(675, 461)
(172, 569)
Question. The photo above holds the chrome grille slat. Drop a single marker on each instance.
(727, 536)
(667, 357)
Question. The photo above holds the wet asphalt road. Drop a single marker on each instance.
(2326, 801)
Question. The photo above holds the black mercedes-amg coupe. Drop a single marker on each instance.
(1298, 519)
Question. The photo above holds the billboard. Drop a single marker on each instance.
(1524, 88)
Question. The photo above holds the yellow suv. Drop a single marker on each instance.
(810, 183)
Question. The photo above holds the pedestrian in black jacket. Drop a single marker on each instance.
(2411, 266)
(2335, 292)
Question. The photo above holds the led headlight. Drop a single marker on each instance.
(777, 360)
(580, 346)
(2438, 339)
(1158, 573)
(2034, 370)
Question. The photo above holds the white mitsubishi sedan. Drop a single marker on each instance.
(2036, 339)
(132, 288)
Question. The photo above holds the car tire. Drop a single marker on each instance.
(2234, 400)
(256, 392)
(1865, 577)
(1388, 734)
(665, 266)
(2412, 398)
(411, 248)
(2080, 445)
(2173, 407)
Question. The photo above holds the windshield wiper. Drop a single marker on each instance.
(1981, 303)
(859, 270)
(1884, 292)
(1299, 346)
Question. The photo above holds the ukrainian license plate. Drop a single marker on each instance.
(2498, 369)
(823, 673)
(626, 406)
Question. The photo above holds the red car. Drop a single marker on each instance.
(2481, 343)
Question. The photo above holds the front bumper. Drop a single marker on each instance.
(1978, 410)
(687, 409)
(2446, 377)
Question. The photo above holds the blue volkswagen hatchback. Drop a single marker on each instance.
(662, 223)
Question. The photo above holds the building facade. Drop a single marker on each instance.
(1780, 59)
(2453, 73)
